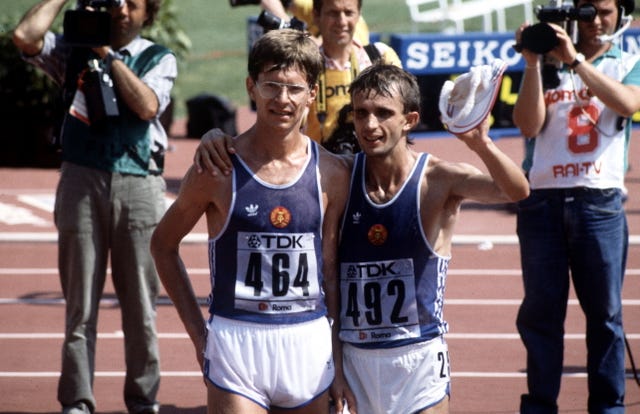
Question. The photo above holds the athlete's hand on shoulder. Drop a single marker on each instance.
(213, 152)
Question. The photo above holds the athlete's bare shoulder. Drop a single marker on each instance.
(331, 164)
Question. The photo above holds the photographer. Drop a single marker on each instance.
(344, 58)
(111, 193)
(303, 11)
(573, 224)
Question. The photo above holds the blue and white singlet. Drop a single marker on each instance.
(391, 281)
(266, 264)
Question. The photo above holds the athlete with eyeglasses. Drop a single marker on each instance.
(270, 90)
(273, 231)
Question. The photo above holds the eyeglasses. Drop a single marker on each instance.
(269, 90)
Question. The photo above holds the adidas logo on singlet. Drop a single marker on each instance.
(252, 210)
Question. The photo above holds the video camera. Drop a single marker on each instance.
(540, 38)
(270, 22)
(89, 25)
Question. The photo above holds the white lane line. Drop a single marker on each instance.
(486, 241)
(14, 215)
(169, 335)
(102, 335)
(517, 302)
(44, 202)
(54, 374)
(507, 272)
(512, 336)
(60, 301)
(52, 237)
(9, 271)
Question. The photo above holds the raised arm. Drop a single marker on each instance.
(529, 110)
(622, 99)
(506, 182)
(276, 8)
(133, 91)
(28, 36)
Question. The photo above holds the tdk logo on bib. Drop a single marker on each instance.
(381, 269)
(276, 241)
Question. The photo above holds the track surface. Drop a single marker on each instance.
(483, 293)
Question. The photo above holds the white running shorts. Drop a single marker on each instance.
(284, 366)
(405, 379)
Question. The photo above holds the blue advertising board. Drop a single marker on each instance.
(435, 58)
(433, 53)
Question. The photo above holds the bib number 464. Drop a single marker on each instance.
(281, 275)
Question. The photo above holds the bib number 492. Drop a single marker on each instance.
(372, 303)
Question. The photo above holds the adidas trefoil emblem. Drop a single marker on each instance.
(356, 217)
(252, 210)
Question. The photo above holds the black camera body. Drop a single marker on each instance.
(269, 21)
(566, 12)
(540, 38)
(90, 24)
(86, 27)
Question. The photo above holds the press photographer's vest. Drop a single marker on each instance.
(123, 143)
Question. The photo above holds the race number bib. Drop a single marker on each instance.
(276, 273)
(378, 301)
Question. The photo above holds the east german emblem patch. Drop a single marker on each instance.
(377, 234)
(280, 217)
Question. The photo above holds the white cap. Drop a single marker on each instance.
(467, 101)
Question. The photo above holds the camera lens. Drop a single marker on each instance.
(539, 38)
(585, 13)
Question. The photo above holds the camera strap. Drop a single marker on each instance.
(76, 64)
(321, 99)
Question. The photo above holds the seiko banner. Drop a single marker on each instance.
(435, 58)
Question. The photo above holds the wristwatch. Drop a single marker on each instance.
(109, 58)
(578, 60)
